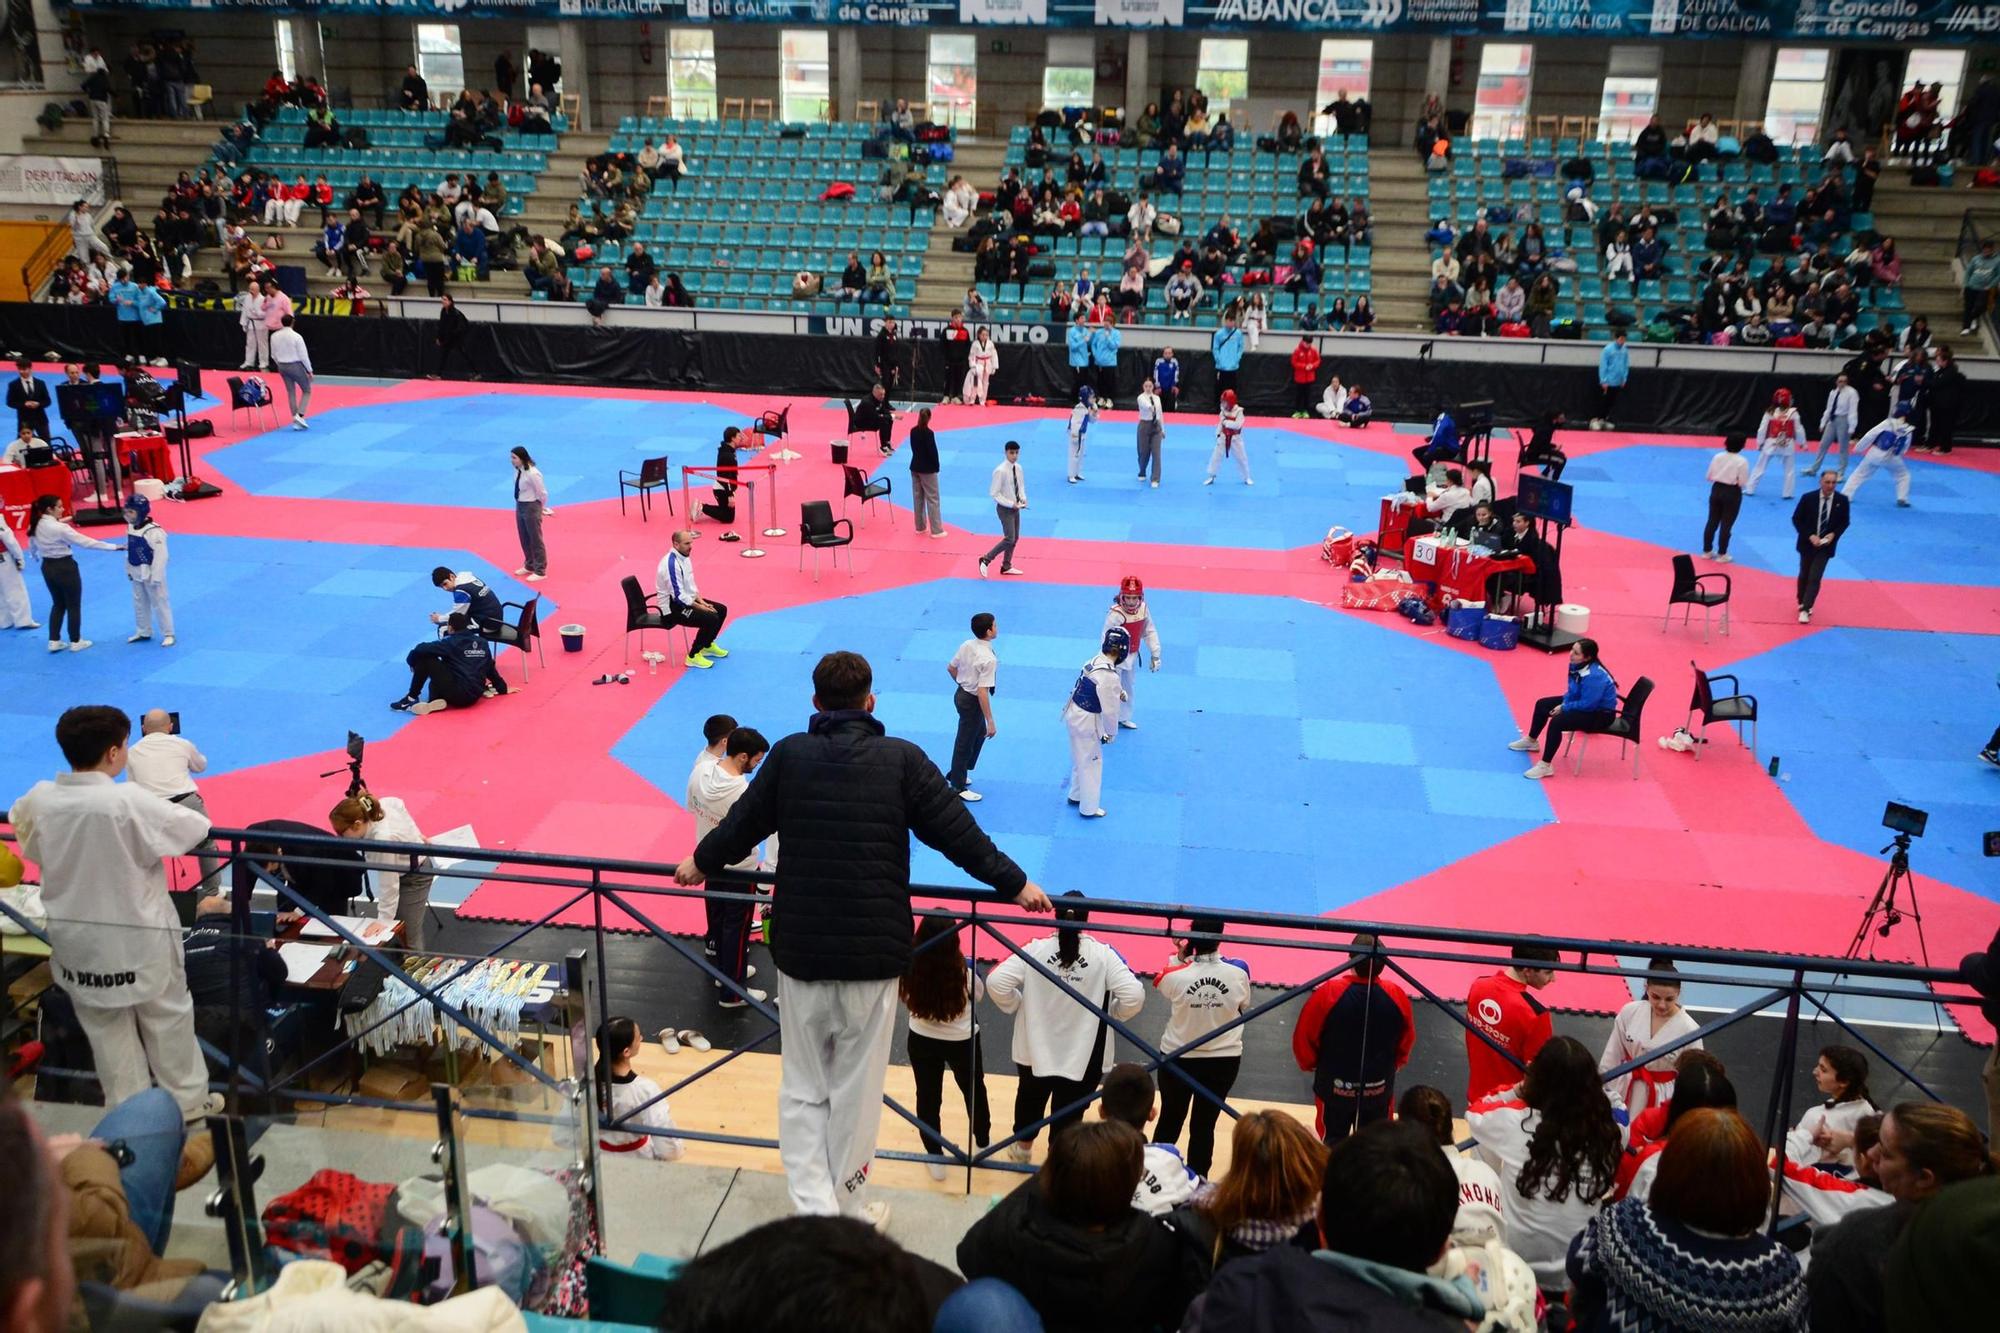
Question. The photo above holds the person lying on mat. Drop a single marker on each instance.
(458, 668)
(1588, 704)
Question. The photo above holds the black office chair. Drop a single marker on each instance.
(651, 476)
(1735, 708)
(1624, 726)
(641, 614)
(858, 485)
(1689, 592)
(524, 632)
(819, 529)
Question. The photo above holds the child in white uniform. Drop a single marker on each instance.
(1130, 613)
(1092, 704)
(1645, 1025)
(16, 612)
(1229, 440)
(1824, 1136)
(146, 566)
(1080, 418)
(1779, 435)
(617, 1042)
(981, 367)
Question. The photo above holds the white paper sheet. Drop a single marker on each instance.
(303, 961)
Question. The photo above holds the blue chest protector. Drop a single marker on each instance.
(1084, 696)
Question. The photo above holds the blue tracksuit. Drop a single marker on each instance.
(1079, 345)
(1614, 366)
(1104, 344)
(1227, 348)
(1166, 376)
(1591, 690)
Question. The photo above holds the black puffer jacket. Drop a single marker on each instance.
(1132, 1277)
(844, 798)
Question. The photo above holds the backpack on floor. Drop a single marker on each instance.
(333, 1216)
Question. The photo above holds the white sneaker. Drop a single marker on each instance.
(1020, 1152)
(982, 569)
(167, 642)
(1708, 555)
(968, 794)
(55, 645)
(1013, 569)
(1539, 771)
(1248, 482)
(29, 624)
(1805, 617)
(1092, 814)
(429, 706)
(79, 645)
(877, 1215)
(1156, 485)
(731, 1000)
(1725, 559)
(246, 366)
(1522, 743)
(1208, 481)
(135, 638)
(519, 572)
(1129, 725)
(937, 1170)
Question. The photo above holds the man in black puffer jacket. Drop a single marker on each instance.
(844, 798)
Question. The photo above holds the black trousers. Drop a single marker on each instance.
(1812, 568)
(1081, 377)
(929, 1058)
(1724, 503)
(1107, 381)
(1217, 1073)
(1607, 402)
(971, 738)
(1560, 724)
(447, 350)
(1302, 396)
(729, 932)
(1169, 397)
(1036, 1095)
(430, 672)
(434, 276)
(1340, 1115)
(65, 584)
(707, 624)
(1225, 381)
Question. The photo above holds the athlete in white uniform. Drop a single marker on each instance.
(1092, 704)
(1229, 440)
(1884, 446)
(1130, 613)
(1779, 435)
(1080, 418)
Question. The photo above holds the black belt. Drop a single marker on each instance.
(183, 797)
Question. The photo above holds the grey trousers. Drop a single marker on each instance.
(413, 903)
(924, 495)
(1152, 444)
(1010, 536)
(207, 854)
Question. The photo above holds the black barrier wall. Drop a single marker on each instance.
(1696, 402)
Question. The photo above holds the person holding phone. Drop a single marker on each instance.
(164, 762)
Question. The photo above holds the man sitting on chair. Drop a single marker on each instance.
(1588, 704)
(682, 601)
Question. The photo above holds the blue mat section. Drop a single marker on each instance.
(1304, 485)
(282, 648)
(453, 450)
(1272, 728)
(1659, 494)
(1860, 717)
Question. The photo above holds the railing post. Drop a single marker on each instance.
(580, 992)
(449, 1153)
(234, 1204)
(1780, 1111)
(978, 1083)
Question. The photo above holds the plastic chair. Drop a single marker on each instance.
(1689, 592)
(628, 1295)
(857, 485)
(526, 630)
(1625, 726)
(641, 614)
(1735, 708)
(819, 529)
(651, 476)
(238, 403)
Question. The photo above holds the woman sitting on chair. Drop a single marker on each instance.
(1588, 704)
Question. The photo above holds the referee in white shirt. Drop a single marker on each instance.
(1152, 432)
(114, 941)
(164, 762)
(973, 669)
(1010, 496)
(295, 367)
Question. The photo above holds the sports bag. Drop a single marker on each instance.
(1567, 329)
(1514, 329)
(334, 1215)
(942, 151)
(1167, 224)
(1339, 546)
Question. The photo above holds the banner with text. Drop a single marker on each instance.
(51, 180)
(1935, 21)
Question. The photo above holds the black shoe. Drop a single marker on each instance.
(1991, 756)
(404, 704)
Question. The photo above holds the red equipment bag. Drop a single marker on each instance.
(1514, 330)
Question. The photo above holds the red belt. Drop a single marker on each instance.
(634, 1146)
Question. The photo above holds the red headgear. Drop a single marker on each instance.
(1782, 398)
(1130, 586)
(1229, 397)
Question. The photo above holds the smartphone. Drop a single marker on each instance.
(174, 730)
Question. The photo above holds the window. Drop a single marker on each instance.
(1631, 93)
(805, 86)
(954, 78)
(691, 72)
(1344, 67)
(1070, 78)
(1798, 92)
(288, 58)
(439, 59)
(1224, 72)
(1506, 77)
(1940, 67)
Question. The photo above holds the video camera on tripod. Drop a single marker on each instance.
(1906, 822)
(355, 748)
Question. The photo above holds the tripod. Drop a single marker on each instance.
(1883, 904)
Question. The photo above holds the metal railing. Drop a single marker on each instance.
(1974, 228)
(625, 897)
(43, 259)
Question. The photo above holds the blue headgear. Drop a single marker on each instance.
(140, 508)
(1117, 643)
(1083, 394)
(1901, 409)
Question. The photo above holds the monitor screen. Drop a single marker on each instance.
(1538, 497)
(90, 404)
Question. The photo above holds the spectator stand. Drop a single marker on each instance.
(1513, 182)
(749, 215)
(1244, 185)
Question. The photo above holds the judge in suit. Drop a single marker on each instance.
(1819, 520)
(1544, 585)
(30, 399)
